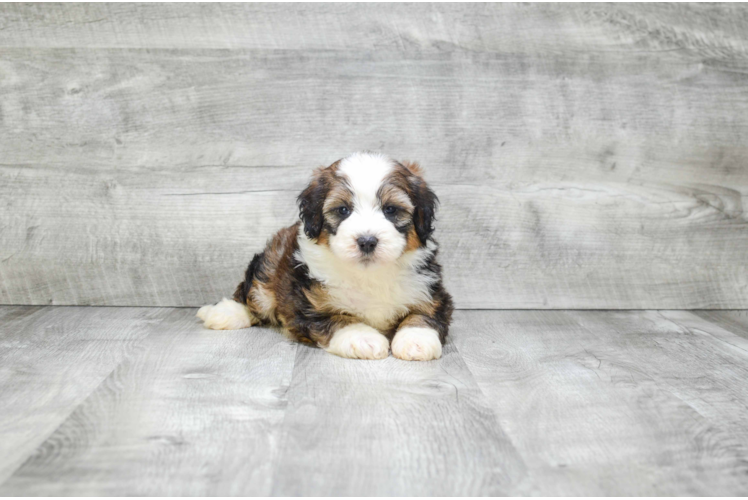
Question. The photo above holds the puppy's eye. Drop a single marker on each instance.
(389, 210)
(344, 211)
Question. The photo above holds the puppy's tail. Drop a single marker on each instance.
(226, 315)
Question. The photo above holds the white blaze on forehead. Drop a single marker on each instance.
(365, 173)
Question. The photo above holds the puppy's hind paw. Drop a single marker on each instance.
(226, 315)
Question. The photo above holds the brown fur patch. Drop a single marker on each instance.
(324, 237)
(411, 240)
(415, 321)
(320, 201)
(339, 195)
(320, 299)
(426, 308)
(331, 325)
(423, 201)
(262, 302)
(390, 194)
(414, 167)
(260, 291)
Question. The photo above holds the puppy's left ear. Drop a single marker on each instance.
(425, 202)
(310, 203)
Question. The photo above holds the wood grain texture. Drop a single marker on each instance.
(51, 359)
(122, 401)
(623, 403)
(586, 156)
(713, 28)
(391, 428)
(195, 413)
(716, 388)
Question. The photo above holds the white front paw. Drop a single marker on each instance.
(417, 344)
(359, 341)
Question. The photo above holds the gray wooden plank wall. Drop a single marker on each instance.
(586, 156)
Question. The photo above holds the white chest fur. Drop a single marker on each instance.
(378, 294)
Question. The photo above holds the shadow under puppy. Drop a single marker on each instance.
(358, 271)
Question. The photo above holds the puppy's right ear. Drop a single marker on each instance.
(311, 201)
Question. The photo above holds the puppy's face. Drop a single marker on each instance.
(368, 209)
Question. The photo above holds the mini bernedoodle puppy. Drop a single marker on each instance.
(358, 271)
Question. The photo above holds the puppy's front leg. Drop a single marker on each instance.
(359, 341)
(416, 340)
(343, 336)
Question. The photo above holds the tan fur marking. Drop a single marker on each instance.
(412, 241)
(414, 320)
(320, 299)
(263, 301)
(414, 167)
(427, 308)
(324, 238)
(393, 195)
(339, 195)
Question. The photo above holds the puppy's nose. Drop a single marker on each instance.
(367, 244)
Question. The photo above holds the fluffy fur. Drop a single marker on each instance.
(357, 271)
(226, 315)
(416, 344)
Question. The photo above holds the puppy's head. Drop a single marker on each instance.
(368, 208)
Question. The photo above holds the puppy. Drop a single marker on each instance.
(357, 271)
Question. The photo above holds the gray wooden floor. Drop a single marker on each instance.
(144, 401)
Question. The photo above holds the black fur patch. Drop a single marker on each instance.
(424, 215)
(442, 316)
(255, 270)
(310, 202)
(332, 221)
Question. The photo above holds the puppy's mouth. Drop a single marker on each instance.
(367, 259)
